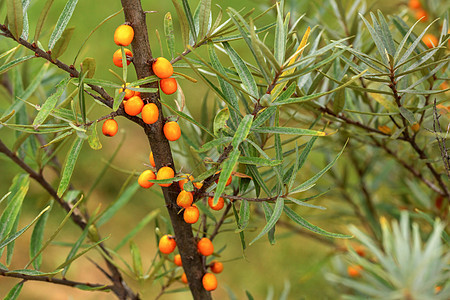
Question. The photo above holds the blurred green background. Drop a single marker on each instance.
(294, 260)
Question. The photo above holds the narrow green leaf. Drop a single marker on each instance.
(81, 97)
(14, 63)
(137, 261)
(63, 42)
(190, 19)
(118, 100)
(42, 18)
(15, 17)
(73, 251)
(258, 161)
(244, 216)
(33, 272)
(377, 40)
(227, 168)
(183, 23)
(142, 81)
(70, 165)
(37, 237)
(214, 143)
(62, 22)
(168, 32)
(101, 82)
(242, 131)
(289, 130)
(204, 17)
(93, 140)
(280, 37)
(302, 222)
(91, 288)
(50, 104)
(268, 212)
(14, 292)
(339, 98)
(278, 209)
(408, 115)
(220, 120)
(203, 208)
(241, 233)
(386, 33)
(66, 263)
(88, 66)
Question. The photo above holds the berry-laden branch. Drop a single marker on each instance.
(142, 60)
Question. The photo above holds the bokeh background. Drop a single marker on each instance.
(294, 261)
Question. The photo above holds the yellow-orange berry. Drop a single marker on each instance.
(209, 282)
(110, 127)
(219, 204)
(144, 178)
(183, 181)
(216, 267)
(123, 35)
(168, 85)
(415, 127)
(128, 93)
(437, 289)
(133, 106)
(152, 160)
(385, 129)
(172, 131)
(117, 57)
(414, 4)
(198, 184)
(184, 278)
(191, 214)
(430, 40)
(165, 173)
(177, 260)
(167, 244)
(228, 181)
(185, 199)
(150, 113)
(162, 68)
(205, 247)
(421, 15)
(354, 271)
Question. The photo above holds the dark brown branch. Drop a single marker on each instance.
(66, 282)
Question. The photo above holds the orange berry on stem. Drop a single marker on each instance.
(167, 244)
(144, 178)
(354, 271)
(133, 106)
(162, 68)
(205, 247)
(177, 260)
(168, 85)
(185, 199)
(209, 282)
(184, 278)
(110, 127)
(415, 127)
(165, 173)
(152, 160)
(183, 181)
(117, 57)
(123, 35)
(430, 40)
(219, 204)
(421, 15)
(191, 214)
(128, 93)
(216, 267)
(172, 131)
(150, 113)
(414, 4)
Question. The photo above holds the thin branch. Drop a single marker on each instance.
(219, 224)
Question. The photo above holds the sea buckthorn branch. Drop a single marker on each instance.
(441, 141)
(142, 60)
(119, 288)
(66, 282)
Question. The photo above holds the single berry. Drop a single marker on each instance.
(430, 40)
(414, 4)
(162, 68)
(184, 278)
(168, 85)
(177, 260)
(172, 131)
(165, 173)
(110, 127)
(421, 15)
(123, 35)
(167, 244)
(219, 204)
(415, 127)
(150, 113)
(354, 271)
(183, 181)
(205, 247)
(191, 214)
(152, 160)
(133, 106)
(209, 282)
(117, 57)
(185, 199)
(144, 178)
(216, 267)
(128, 93)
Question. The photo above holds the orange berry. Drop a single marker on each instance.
(437, 289)
(421, 15)
(360, 250)
(150, 113)
(414, 4)
(354, 271)
(219, 204)
(198, 184)
(117, 57)
(144, 178)
(385, 129)
(177, 260)
(128, 93)
(216, 267)
(228, 181)
(152, 160)
(165, 173)
(172, 131)
(183, 181)
(430, 40)
(415, 127)
(167, 244)
(133, 106)
(185, 199)
(123, 35)
(205, 247)
(168, 85)
(191, 214)
(184, 278)
(209, 282)
(162, 68)
(110, 127)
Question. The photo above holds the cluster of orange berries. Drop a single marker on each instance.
(205, 247)
(420, 13)
(132, 102)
